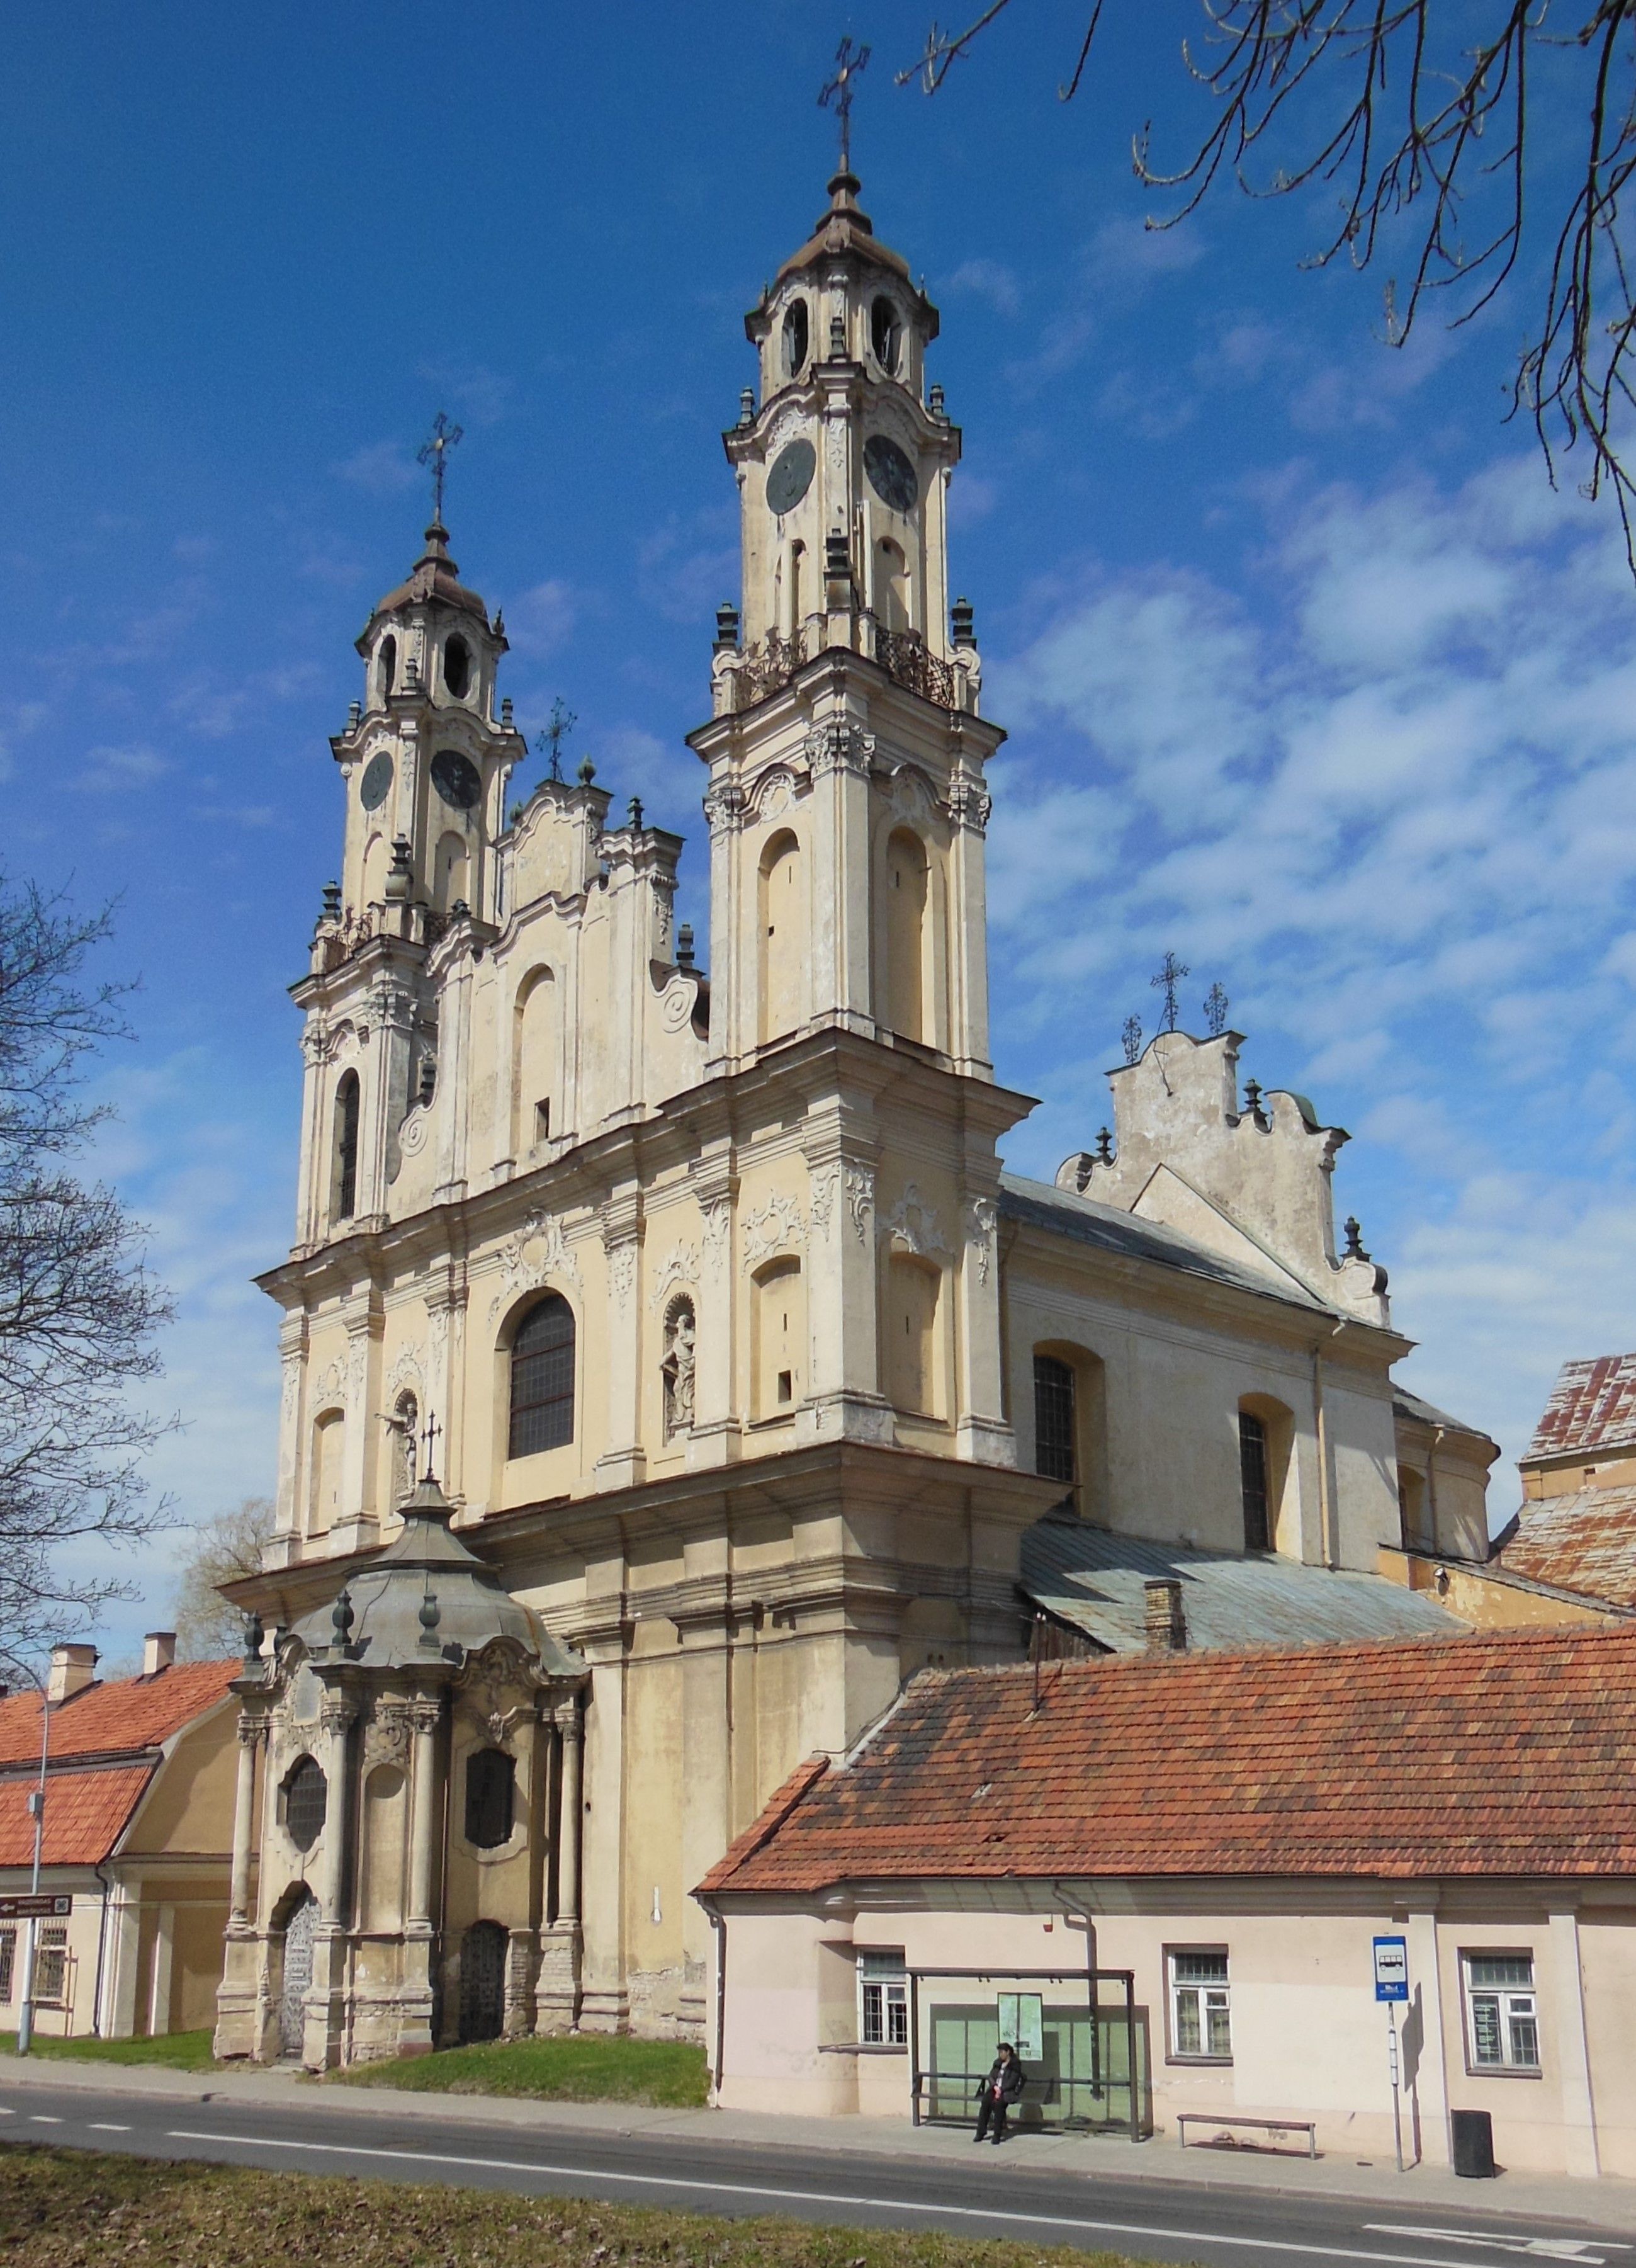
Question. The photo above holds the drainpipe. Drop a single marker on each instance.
(102, 1938)
(718, 1924)
(1326, 1507)
(1431, 1485)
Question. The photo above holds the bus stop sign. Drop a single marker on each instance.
(1392, 1967)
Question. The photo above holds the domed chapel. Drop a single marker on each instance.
(670, 1369)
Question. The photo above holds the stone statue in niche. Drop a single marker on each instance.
(403, 1424)
(677, 1368)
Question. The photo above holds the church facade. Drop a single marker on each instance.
(684, 1329)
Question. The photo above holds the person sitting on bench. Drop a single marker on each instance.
(999, 2091)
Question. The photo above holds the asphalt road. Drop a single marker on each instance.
(1175, 2222)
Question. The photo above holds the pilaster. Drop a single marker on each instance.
(623, 1462)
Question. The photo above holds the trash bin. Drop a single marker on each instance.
(1474, 2145)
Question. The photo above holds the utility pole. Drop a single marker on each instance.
(30, 1935)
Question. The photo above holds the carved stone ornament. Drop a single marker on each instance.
(680, 1267)
(534, 1254)
(839, 747)
(386, 1736)
(861, 1200)
(823, 1186)
(718, 1221)
(622, 1270)
(676, 1007)
(407, 1370)
(914, 1224)
(724, 808)
(414, 1132)
(330, 1385)
(502, 1686)
(774, 794)
(970, 803)
(979, 1216)
(911, 794)
(774, 1228)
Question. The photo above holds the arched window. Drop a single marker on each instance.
(450, 886)
(912, 1380)
(796, 338)
(457, 666)
(797, 594)
(784, 941)
(677, 1368)
(886, 335)
(385, 1800)
(536, 1056)
(1056, 1449)
(376, 856)
(779, 1345)
(906, 891)
(344, 1193)
(306, 1799)
(1266, 1432)
(388, 668)
(542, 1378)
(329, 1437)
(892, 586)
(490, 1798)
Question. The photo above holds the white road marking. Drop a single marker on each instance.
(102, 2127)
(38, 2121)
(822, 2197)
(1531, 2247)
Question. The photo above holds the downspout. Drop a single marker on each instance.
(102, 1938)
(718, 1924)
(1431, 1484)
(1073, 1907)
(1326, 1508)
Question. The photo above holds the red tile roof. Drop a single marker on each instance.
(124, 1718)
(1583, 1541)
(1509, 1754)
(1592, 1406)
(85, 1814)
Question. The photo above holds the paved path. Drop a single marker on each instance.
(1151, 2201)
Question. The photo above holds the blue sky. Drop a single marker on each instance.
(1309, 676)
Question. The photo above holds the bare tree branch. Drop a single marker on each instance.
(1427, 132)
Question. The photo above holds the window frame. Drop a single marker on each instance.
(8, 1964)
(564, 1400)
(51, 1946)
(1043, 1387)
(1174, 1985)
(306, 1769)
(485, 1790)
(882, 1999)
(1261, 1442)
(1507, 2066)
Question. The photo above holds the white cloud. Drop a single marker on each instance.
(542, 619)
(986, 279)
(111, 769)
(381, 467)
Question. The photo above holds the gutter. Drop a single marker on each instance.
(718, 1924)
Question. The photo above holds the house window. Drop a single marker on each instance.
(883, 1999)
(51, 1964)
(1502, 2014)
(1252, 1469)
(8, 1962)
(542, 1378)
(1200, 2019)
(1053, 1419)
(490, 1798)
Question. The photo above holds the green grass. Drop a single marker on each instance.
(72, 2209)
(176, 2051)
(670, 2074)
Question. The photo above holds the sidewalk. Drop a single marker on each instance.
(1608, 2204)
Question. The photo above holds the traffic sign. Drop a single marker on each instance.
(1392, 1967)
(44, 1905)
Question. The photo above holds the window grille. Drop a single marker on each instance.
(1253, 1472)
(8, 1962)
(542, 1379)
(883, 1999)
(51, 1964)
(490, 1798)
(1201, 2013)
(306, 1799)
(1502, 2014)
(1053, 1419)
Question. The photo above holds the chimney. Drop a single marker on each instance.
(1164, 1621)
(159, 1652)
(73, 1667)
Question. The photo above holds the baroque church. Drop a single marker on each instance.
(670, 1368)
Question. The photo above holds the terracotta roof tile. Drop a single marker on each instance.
(1592, 1406)
(127, 1716)
(1498, 1753)
(86, 1814)
(1584, 1541)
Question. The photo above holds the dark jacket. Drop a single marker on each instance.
(1009, 2077)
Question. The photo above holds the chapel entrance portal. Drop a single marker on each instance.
(482, 1982)
(292, 2008)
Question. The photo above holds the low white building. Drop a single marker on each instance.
(1164, 1877)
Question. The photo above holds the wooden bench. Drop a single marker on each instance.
(1220, 2119)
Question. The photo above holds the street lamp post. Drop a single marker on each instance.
(31, 1936)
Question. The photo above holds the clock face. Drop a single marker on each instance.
(891, 475)
(791, 476)
(376, 784)
(456, 778)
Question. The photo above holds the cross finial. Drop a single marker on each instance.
(429, 1432)
(837, 92)
(562, 723)
(1216, 1004)
(443, 437)
(1169, 978)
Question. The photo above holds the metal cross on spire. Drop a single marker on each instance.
(1169, 978)
(550, 741)
(443, 437)
(428, 1434)
(837, 92)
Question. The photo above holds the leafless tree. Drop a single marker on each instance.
(218, 1550)
(1465, 135)
(78, 1309)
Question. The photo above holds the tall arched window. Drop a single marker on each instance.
(886, 335)
(490, 1798)
(784, 942)
(907, 886)
(344, 1186)
(892, 586)
(778, 1346)
(912, 1380)
(1071, 1425)
(449, 883)
(795, 338)
(535, 1061)
(388, 668)
(377, 857)
(329, 1441)
(542, 1378)
(1266, 1438)
(457, 666)
(1056, 1449)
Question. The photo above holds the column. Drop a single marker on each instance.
(556, 1994)
(422, 1804)
(716, 1429)
(623, 1462)
(1580, 2153)
(252, 1732)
